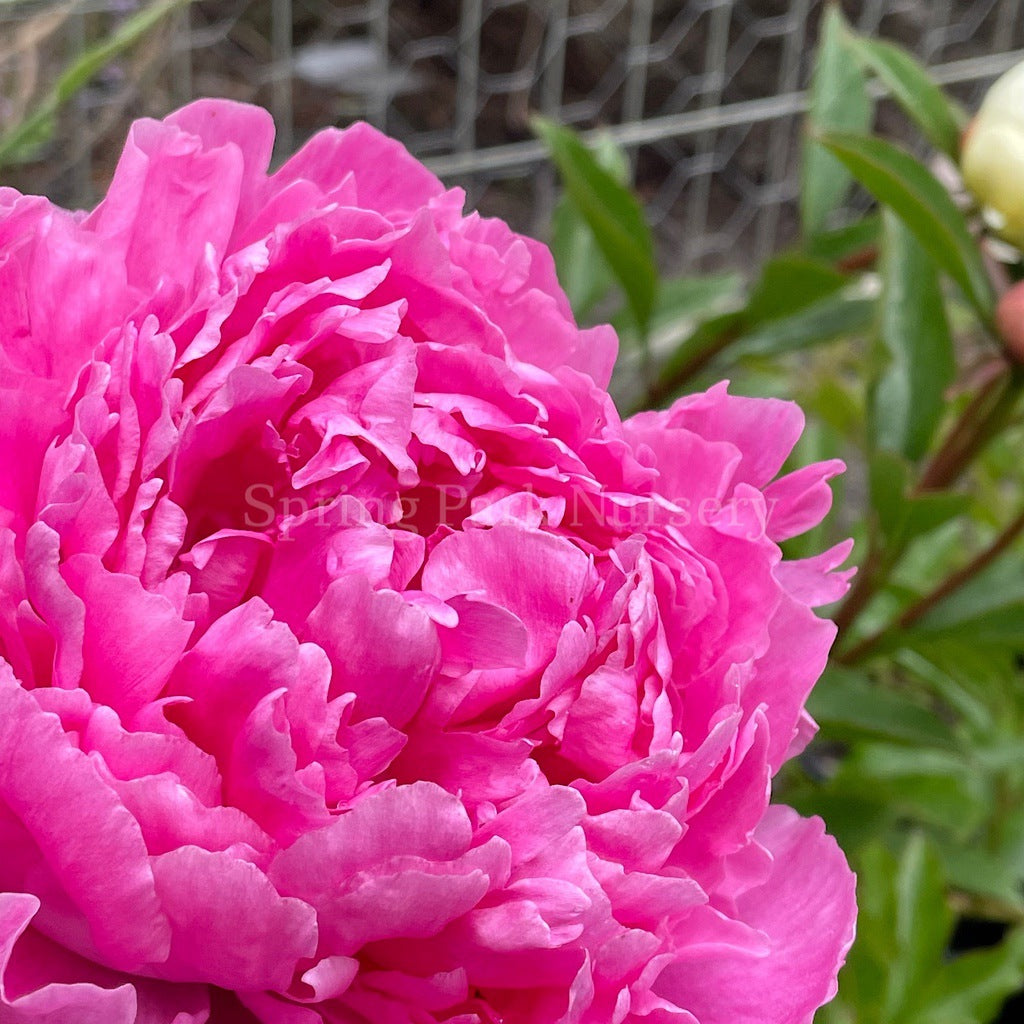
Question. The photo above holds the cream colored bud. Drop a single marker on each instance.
(992, 157)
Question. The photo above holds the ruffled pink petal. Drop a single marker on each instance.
(805, 910)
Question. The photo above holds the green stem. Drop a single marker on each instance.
(985, 416)
(916, 611)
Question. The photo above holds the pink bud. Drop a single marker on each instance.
(1010, 320)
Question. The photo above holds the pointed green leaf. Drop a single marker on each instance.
(928, 786)
(862, 982)
(984, 672)
(99, 56)
(838, 102)
(973, 711)
(700, 346)
(683, 302)
(939, 116)
(991, 870)
(908, 400)
(583, 271)
(927, 512)
(888, 483)
(613, 214)
(689, 298)
(923, 923)
(898, 970)
(989, 607)
(898, 180)
(849, 705)
(835, 316)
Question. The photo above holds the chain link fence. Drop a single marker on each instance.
(705, 95)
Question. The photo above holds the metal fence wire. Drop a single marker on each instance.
(705, 95)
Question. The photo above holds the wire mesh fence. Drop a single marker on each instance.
(705, 95)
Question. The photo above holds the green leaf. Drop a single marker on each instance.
(582, 269)
(790, 283)
(724, 339)
(902, 929)
(684, 302)
(837, 316)
(898, 180)
(983, 678)
(941, 118)
(847, 243)
(902, 518)
(613, 214)
(926, 513)
(849, 705)
(97, 58)
(908, 400)
(972, 988)
(973, 711)
(38, 127)
(797, 302)
(888, 482)
(862, 981)
(612, 157)
(928, 786)
(693, 298)
(898, 971)
(838, 102)
(972, 868)
(838, 404)
(708, 338)
(923, 923)
(994, 871)
(989, 608)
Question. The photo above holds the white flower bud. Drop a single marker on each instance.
(992, 157)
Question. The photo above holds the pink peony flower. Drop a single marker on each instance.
(358, 664)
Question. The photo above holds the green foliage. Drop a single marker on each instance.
(941, 119)
(613, 214)
(838, 102)
(877, 324)
(583, 270)
(908, 399)
(904, 184)
(23, 140)
(898, 971)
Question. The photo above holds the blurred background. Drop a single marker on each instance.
(705, 96)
